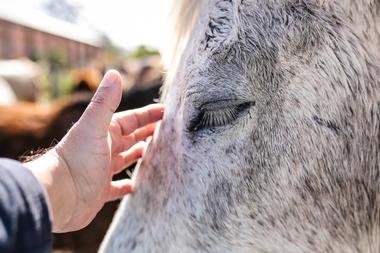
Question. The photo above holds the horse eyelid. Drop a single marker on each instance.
(217, 118)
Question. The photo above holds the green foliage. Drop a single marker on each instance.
(57, 58)
(143, 51)
(65, 81)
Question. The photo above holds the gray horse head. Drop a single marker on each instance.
(270, 140)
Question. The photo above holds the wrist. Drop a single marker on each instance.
(53, 174)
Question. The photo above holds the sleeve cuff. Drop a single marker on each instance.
(24, 209)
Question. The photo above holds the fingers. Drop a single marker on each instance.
(104, 103)
(127, 158)
(138, 135)
(135, 125)
(119, 189)
(131, 120)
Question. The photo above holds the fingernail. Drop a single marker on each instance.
(112, 76)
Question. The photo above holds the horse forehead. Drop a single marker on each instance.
(223, 21)
(221, 24)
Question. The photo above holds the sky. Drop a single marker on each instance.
(128, 23)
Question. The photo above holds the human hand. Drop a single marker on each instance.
(77, 172)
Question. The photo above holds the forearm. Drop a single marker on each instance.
(52, 173)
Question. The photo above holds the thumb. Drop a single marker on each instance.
(104, 103)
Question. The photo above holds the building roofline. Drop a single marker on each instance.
(40, 21)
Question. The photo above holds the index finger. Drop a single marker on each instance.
(131, 120)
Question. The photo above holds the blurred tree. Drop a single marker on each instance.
(113, 55)
(143, 51)
(63, 9)
(109, 46)
(57, 60)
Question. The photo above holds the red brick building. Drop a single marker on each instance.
(32, 33)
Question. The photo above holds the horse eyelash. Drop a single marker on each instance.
(215, 118)
(218, 117)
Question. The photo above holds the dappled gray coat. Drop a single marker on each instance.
(270, 140)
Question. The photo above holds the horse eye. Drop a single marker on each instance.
(211, 118)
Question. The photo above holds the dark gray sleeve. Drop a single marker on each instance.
(25, 224)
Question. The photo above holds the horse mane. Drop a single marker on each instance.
(182, 16)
